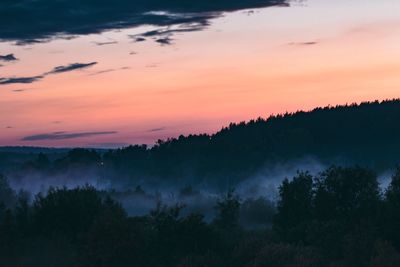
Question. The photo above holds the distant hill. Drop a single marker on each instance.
(33, 150)
(366, 134)
(13, 156)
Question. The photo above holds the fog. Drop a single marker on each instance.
(258, 192)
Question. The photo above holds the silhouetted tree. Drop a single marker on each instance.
(295, 207)
(112, 241)
(70, 212)
(391, 218)
(23, 213)
(349, 194)
(228, 211)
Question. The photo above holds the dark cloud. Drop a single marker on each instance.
(163, 36)
(30, 22)
(188, 27)
(164, 41)
(250, 12)
(71, 67)
(56, 70)
(157, 129)
(29, 42)
(13, 80)
(64, 135)
(304, 43)
(9, 57)
(137, 39)
(19, 90)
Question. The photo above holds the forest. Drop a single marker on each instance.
(339, 217)
(363, 134)
(316, 188)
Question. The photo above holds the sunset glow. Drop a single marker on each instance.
(244, 65)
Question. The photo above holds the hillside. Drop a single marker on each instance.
(365, 134)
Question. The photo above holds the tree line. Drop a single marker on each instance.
(363, 134)
(339, 217)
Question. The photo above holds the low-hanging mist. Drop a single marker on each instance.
(252, 158)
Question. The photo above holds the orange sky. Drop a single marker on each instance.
(241, 67)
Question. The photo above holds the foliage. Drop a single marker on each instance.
(333, 134)
(338, 217)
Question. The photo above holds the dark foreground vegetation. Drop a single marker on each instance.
(340, 217)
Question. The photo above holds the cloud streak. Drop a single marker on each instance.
(108, 70)
(16, 80)
(164, 41)
(71, 67)
(105, 43)
(64, 135)
(56, 70)
(304, 43)
(157, 129)
(163, 36)
(8, 58)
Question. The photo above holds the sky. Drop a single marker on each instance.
(111, 85)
